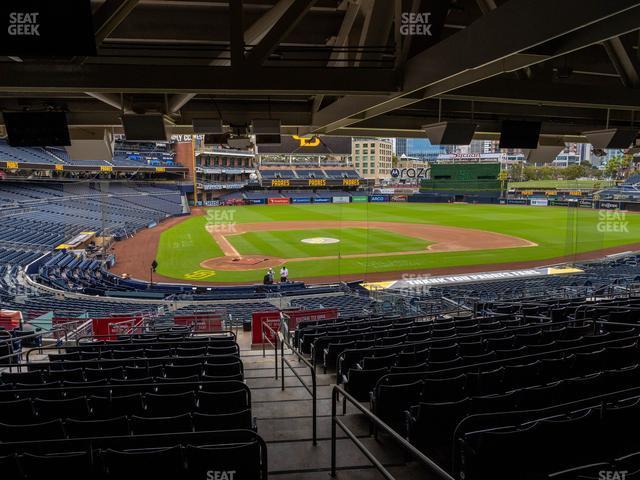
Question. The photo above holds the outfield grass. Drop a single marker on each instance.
(557, 231)
(352, 241)
(562, 184)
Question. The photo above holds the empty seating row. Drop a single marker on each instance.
(123, 425)
(359, 376)
(586, 371)
(88, 370)
(27, 410)
(148, 351)
(237, 454)
(543, 442)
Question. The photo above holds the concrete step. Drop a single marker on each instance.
(303, 456)
(299, 429)
(289, 381)
(284, 421)
(401, 472)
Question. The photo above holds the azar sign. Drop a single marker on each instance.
(46, 28)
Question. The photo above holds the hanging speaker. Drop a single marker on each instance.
(37, 129)
(616, 138)
(450, 133)
(547, 150)
(144, 128)
(519, 134)
(91, 144)
(267, 132)
(211, 126)
(216, 138)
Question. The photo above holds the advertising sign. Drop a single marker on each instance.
(607, 205)
(322, 200)
(257, 201)
(359, 199)
(280, 182)
(399, 198)
(559, 203)
(539, 202)
(301, 200)
(517, 201)
(278, 201)
(585, 203)
(341, 199)
(378, 198)
(318, 182)
(295, 317)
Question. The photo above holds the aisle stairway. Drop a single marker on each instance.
(284, 421)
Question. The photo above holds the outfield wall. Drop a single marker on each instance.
(441, 197)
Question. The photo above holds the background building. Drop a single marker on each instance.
(373, 158)
(400, 146)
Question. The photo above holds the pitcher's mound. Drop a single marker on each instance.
(320, 240)
(246, 262)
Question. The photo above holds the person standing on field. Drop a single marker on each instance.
(284, 274)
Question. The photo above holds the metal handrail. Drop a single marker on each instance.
(410, 449)
(311, 390)
(20, 338)
(274, 344)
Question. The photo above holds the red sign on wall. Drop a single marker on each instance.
(201, 322)
(278, 201)
(271, 318)
(294, 317)
(109, 328)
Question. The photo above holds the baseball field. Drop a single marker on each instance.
(371, 241)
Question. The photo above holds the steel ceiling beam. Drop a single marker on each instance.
(479, 51)
(105, 20)
(279, 31)
(253, 34)
(104, 78)
(531, 92)
(110, 15)
(342, 39)
(622, 62)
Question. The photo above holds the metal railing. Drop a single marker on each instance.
(72, 329)
(312, 390)
(433, 467)
(274, 344)
(11, 342)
